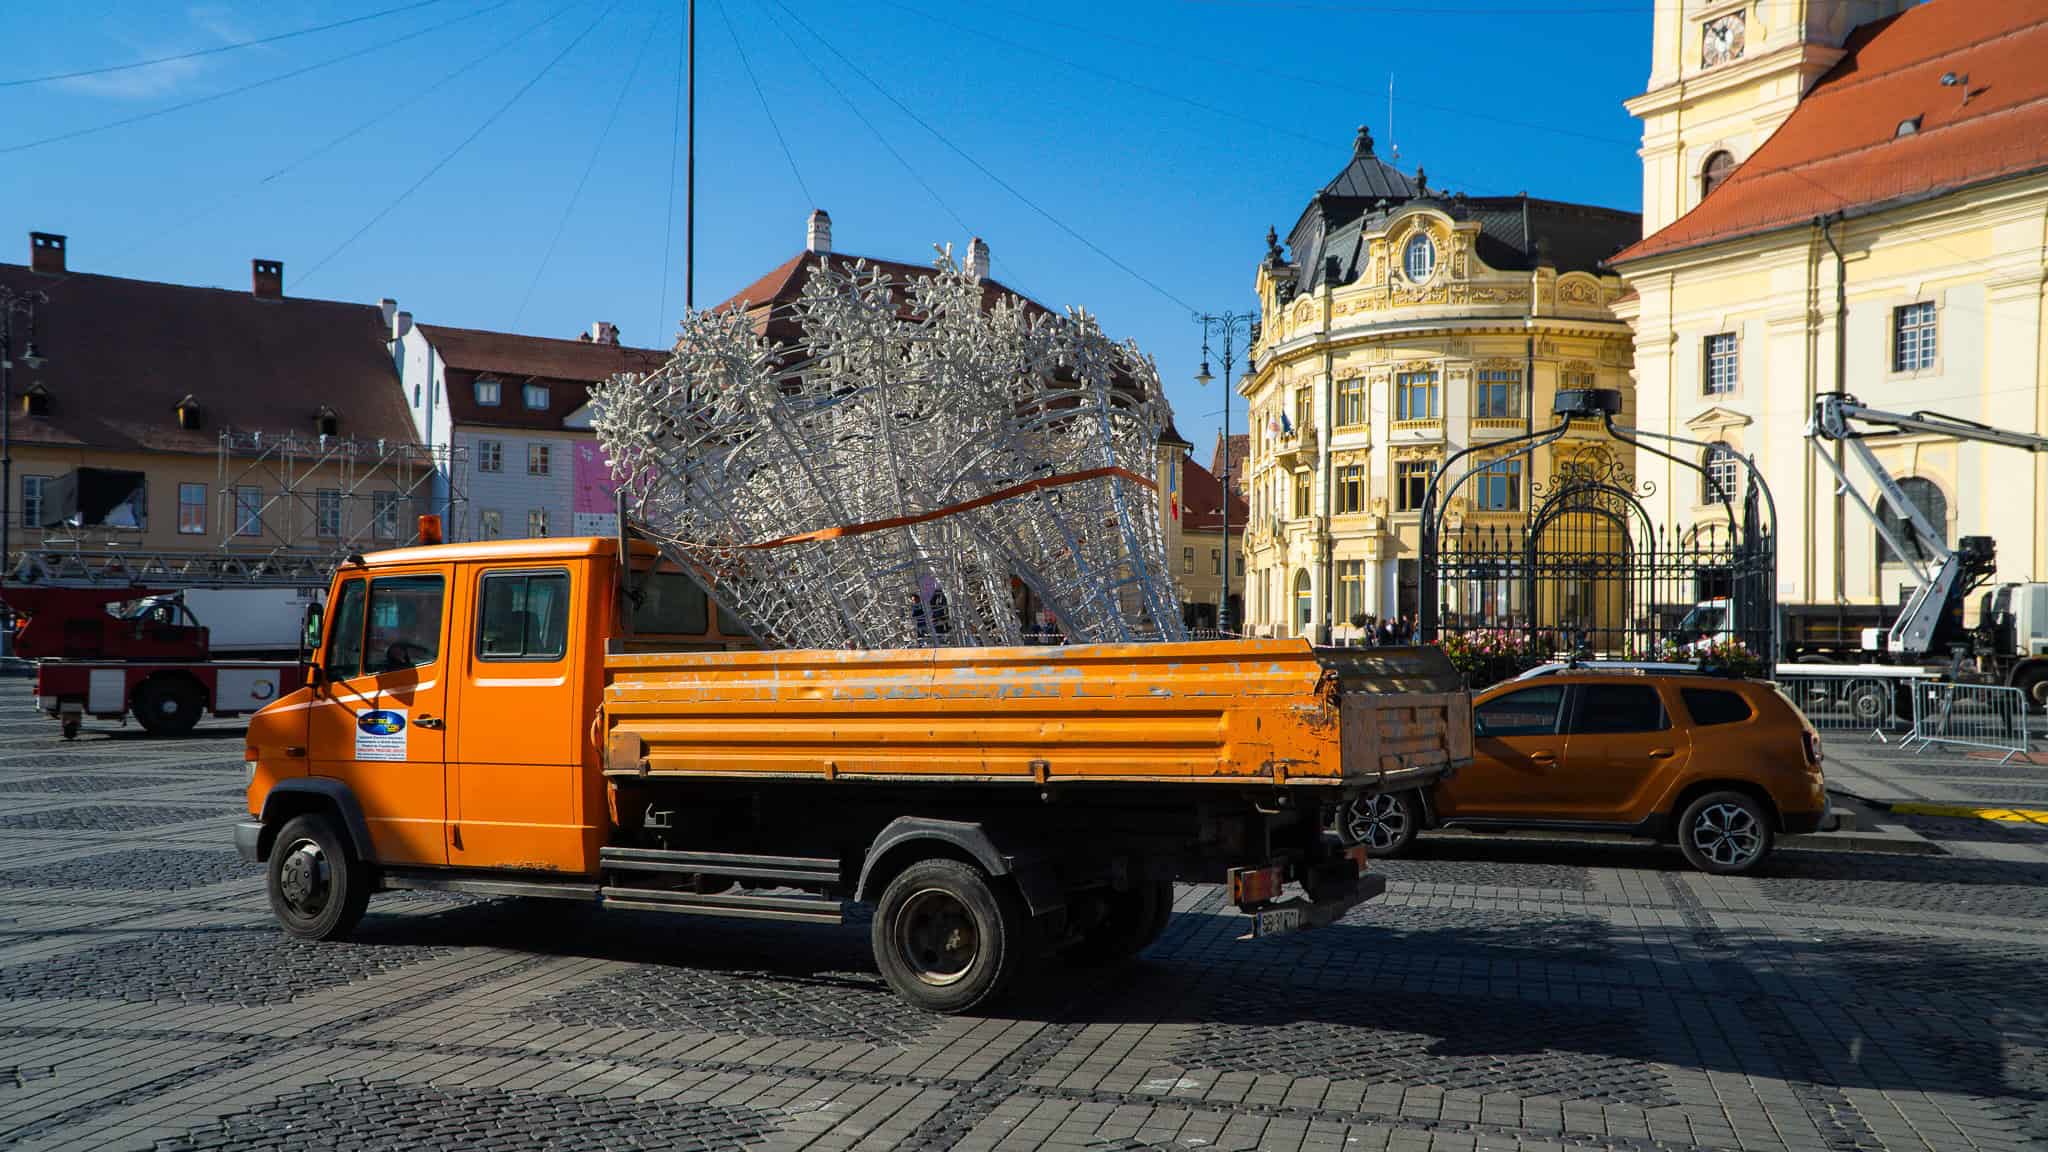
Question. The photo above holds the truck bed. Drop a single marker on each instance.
(1222, 712)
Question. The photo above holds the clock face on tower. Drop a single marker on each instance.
(1721, 40)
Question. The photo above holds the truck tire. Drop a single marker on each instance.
(317, 889)
(168, 705)
(1386, 823)
(1129, 925)
(947, 937)
(2032, 681)
(1724, 833)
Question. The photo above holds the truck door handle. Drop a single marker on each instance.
(1661, 753)
(427, 722)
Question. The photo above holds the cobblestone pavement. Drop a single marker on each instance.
(1504, 994)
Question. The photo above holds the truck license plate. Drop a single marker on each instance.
(1277, 922)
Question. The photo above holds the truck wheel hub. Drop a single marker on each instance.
(302, 878)
(936, 937)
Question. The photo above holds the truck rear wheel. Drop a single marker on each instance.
(947, 937)
(317, 890)
(168, 705)
(1130, 923)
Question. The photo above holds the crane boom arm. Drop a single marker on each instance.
(1835, 418)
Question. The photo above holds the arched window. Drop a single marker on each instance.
(1723, 478)
(1418, 258)
(1304, 603)
(1932, 504)
(1714, 171)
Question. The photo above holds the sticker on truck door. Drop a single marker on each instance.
(380, 734)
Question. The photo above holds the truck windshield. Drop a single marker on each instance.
(1704, 620)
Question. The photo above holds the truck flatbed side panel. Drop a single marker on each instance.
(1229, 711)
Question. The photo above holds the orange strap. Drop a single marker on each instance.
(1004, 494)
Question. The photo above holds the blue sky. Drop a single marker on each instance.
(431, 150)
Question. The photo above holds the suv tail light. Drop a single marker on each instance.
(1812, 741)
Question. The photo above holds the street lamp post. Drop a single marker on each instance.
(12, 304)
(1225, 326)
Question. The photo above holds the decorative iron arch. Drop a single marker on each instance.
(1590, 567)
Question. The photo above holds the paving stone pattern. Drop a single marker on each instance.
(144, 869)
(351, 1116)
(1504, 994)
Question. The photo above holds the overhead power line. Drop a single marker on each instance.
(767, 111)
(452, 153)
(217, 49)
(250, 87)
(668, 206)
(589, 166)
(384, 116)
(863, 118)
(984, 169)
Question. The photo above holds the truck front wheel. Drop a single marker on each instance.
(947, 937)
(2032, 681)
(168, 705)
(317, 890)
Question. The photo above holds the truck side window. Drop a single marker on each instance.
(345, 637)
(671, 604)
(525, 616)
(405, 622)
(1530, 712)
(1613, 708)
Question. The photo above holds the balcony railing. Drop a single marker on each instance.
(1296, 447)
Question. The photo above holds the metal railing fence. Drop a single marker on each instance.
(1969, 715)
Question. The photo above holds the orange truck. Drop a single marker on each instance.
(571, 719)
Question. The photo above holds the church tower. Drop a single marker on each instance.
(1723, 75)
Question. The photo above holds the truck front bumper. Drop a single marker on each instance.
(249, 841)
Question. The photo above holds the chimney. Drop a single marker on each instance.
(604, 332)
(401, 323)
(977, 259)
(266, 278)
(818, 237)
(389, 308)
(45, 252)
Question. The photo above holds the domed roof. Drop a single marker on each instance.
(1368, 175)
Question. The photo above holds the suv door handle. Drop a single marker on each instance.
(427, 722)
(1661, 753)
(1543, 757)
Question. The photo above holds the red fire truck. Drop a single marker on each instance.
(114, 639)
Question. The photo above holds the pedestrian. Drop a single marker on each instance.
(1386, 633)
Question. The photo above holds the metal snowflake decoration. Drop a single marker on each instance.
(903, 472)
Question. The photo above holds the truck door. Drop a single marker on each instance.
(515, 788)
(377, 713)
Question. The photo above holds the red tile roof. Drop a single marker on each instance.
(122, 353)
(1240, 452)
(1840, 150)
(766, 298)
(567, 367)
(1202, 501)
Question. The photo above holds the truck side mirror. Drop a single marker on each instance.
(309, 637)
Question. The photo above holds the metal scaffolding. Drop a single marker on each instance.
(291, 495)
(901, 473)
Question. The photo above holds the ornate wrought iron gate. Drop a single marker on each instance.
(1588, 569)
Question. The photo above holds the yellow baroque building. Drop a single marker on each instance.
(1843, 196)
(1402, 326)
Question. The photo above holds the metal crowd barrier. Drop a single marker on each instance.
(1970, 715)
(1875, 706)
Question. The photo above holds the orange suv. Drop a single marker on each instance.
(1720, 765)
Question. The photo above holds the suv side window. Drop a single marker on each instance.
(1530, 712)
(525, 616)
(1613, 708)
(1708, 706)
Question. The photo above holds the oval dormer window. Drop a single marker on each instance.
(1418, 258)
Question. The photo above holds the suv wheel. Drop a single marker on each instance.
(1724, 833)
(1385, 823)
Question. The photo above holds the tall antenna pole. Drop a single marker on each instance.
(1393, 140)
(690, 181)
